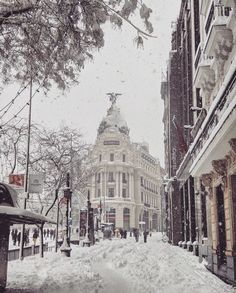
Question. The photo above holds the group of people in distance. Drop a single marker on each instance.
(16, 237)
(28, 233)
(120, 233)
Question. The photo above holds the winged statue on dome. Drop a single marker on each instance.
(113, 97)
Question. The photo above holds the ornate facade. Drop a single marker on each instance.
(125, 185)
(206, 174)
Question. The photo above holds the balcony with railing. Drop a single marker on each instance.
(207, 127)
(219, 36)
(204, 77)
(208, 124)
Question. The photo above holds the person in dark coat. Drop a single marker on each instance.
(15, 237)
(121, 233)
(18, 238)
(35, 236)
(136, 234)
(125, 234)
(145, 234)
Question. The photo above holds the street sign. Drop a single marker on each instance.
(36, 183)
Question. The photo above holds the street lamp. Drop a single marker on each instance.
(65, 248)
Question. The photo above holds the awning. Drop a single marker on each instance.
(19, 216)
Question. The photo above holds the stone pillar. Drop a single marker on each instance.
(185, 214)
(121, 185)
(211, 218)
(117, 184)
(132, 217)
(93, 187)
(4, 242)
(119, 216)
(131, 187)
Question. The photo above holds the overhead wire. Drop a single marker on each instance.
(9, 104)
(22, 108)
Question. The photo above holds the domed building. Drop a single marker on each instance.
(125, 185)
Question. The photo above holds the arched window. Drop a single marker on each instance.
(126, 219)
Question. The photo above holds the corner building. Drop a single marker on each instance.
(126, 179)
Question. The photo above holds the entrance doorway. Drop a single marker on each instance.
(221, 248)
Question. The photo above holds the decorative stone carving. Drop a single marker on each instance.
(220, 167)
(207, 182)
(232, 144)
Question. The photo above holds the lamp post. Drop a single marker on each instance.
(89, 237)
(65, 248)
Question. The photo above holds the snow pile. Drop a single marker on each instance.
(117, 266)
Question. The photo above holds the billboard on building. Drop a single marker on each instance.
(17, 179)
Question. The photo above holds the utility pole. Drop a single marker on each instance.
(26, 189)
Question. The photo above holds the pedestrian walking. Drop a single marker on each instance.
(121, 233)
(18, 238)
(15, 237)
(145, 234)
(35, 236)
(125, 234)
(136, 234)
(48, 233)
(51, 233)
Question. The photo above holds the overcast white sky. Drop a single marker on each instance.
(118, 67)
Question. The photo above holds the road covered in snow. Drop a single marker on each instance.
(116, 266)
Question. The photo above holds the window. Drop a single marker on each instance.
(124, 178)
(124, 193)
(123, 158)
(111, 177)
(99, 192)
(111, 157)
(100, 158)
(111, 192)
(98, 178)
(141, 181)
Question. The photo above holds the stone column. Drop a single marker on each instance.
(211, 217)
(119, 216)
(117, 183)
(132, 217)
(93, 187)
(121, 185)
(132, 186)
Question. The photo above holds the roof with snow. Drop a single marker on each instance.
(19, 216)
(10, 211)
(113, 121)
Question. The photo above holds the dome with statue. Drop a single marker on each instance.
(113, 121)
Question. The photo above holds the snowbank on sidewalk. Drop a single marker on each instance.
(116, 266)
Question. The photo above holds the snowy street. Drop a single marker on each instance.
(119, 265)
